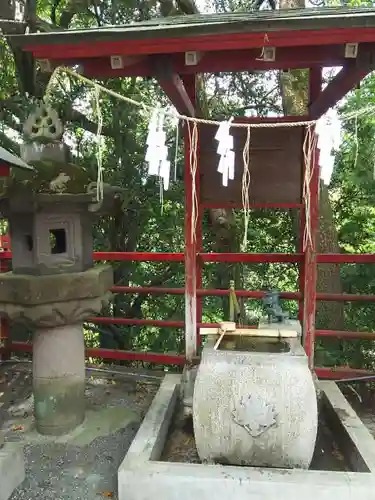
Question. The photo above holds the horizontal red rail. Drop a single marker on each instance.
(136, 321)
(345, 297)
(180, 324)
(148, 290)
(140, 256)
(340, 334)
(251, 257)
(335, 373)
(150, 357)
(255, 206)
(151, 322)
(206, 292)
(345, 258)
(225, 257)
(205, 257)
(200, 292)
(341, 372)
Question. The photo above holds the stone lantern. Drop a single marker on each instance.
(54, 286)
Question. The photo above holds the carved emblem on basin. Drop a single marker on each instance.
(255, 415)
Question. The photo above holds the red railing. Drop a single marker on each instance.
(194, 259)
(175, 359)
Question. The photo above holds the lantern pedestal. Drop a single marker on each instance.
(55, 306)
(59, 379)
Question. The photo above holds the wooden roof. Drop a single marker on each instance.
(204, 25)
(303, 38)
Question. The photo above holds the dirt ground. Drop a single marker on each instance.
(82, 465)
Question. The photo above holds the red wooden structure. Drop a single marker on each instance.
(174, 51)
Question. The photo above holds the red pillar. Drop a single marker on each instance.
(4, 246)
(310, 268)
(301, 266)
(315, 86)
(199, 270)
(4, 324)
(191, 242)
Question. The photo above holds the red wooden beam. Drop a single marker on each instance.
(4, 323)
(222, 257)
(150, 357)
(341, 372)
(220, 61)
(335, 373)
(345, 258)
(300, 248)
(346, 80)
(310, 268)
(247, 258)
(253, 206)
(227, 41)
(345, 297)
(201, 292)
(136, 256)
(190, 233)
(160, 323)
(250, 294)
(338, 334)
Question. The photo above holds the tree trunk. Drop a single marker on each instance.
(222, 221)
(294, 91)
(330, 315)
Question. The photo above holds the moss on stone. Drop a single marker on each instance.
(48, 177)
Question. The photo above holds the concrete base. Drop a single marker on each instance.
(142, 476)
(12, 469)
(59, 379)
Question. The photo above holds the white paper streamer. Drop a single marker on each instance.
(225, 151)
(157, 151)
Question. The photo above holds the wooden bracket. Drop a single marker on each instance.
(173, 86)
(347, 79)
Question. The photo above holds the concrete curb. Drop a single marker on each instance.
(12, 469)
(141, 476)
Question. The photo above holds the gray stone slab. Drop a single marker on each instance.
(141, 476)
(355, 439)
(12, 469)
(149, 442)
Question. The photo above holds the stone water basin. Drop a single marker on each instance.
(255, 402)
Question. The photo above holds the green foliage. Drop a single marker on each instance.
(353, 194)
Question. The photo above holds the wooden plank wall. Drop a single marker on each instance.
(276, 161)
